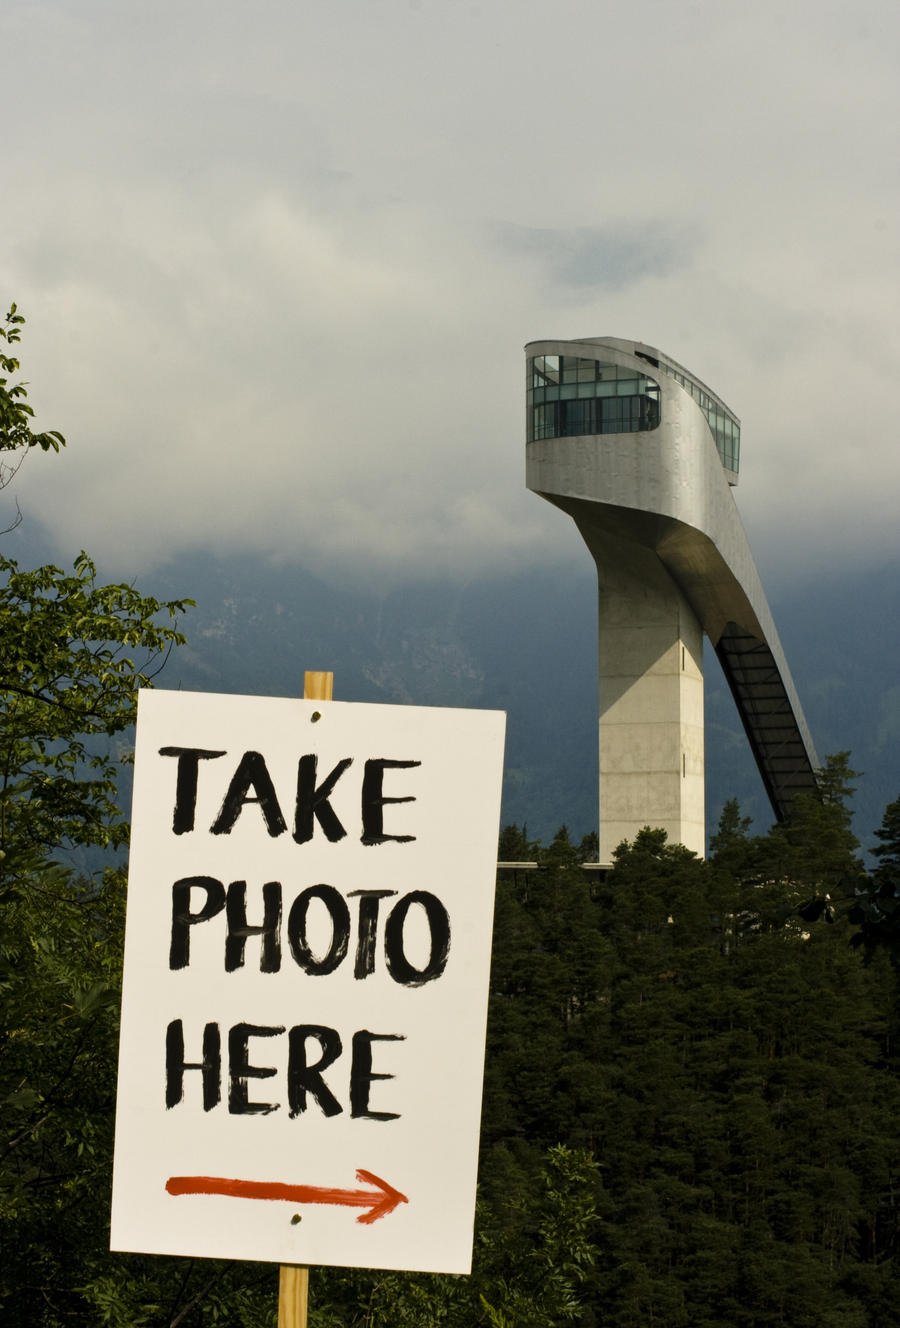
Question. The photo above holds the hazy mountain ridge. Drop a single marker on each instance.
(257, 627)
(526, 643)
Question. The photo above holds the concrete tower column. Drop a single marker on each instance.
(650, 701)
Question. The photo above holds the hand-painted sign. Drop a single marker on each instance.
(307, 956)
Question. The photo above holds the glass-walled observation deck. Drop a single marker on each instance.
(570, 396)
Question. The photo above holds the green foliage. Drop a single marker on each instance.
(16, 433)
(870, 901)
(60, 978)
(875, 900)
(515, 846)
(72, 653)
(731, 847)
(734, 1068)
(815, 846)
(15, 413)
(888, 849)
(60, 961)
(533, 1256)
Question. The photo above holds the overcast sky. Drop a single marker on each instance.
(279, 262)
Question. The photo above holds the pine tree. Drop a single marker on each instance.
(814, 847)
(888, 849)
(876, 899)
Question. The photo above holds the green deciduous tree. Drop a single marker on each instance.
(60, 971)
(72, 653)
(16, 415)
(534, 1253)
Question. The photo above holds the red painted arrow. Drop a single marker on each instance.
(380, 1201)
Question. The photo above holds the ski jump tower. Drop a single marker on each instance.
(643, 456)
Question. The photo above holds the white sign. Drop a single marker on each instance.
(307, 957)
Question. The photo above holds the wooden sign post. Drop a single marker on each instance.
(293, 1296)
(293, 1280)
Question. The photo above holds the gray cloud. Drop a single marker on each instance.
(608, 257)
(279, 263)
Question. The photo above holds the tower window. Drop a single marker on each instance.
(570, 396)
